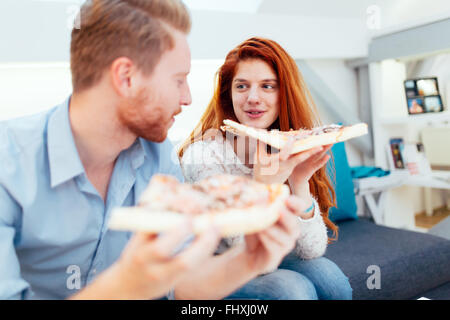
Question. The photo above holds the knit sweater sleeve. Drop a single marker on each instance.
(206, 158)
(313, 239)
(201, 160)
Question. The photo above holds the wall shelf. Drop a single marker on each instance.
(434, 118)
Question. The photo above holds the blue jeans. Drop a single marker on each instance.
(297, 279)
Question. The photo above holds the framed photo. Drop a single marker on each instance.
(422, 95)
(433, 104)
(415, 105)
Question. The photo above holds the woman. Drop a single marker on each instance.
(259, 85)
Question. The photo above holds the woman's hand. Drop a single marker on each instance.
(302, 173)
(279, 167)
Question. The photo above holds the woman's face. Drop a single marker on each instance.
(255, 94)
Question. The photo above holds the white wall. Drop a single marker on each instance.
(215, 33)
(42, 33)
(201, 83)
(29, 88)
(342, 81)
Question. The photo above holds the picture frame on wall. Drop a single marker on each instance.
(422, 95)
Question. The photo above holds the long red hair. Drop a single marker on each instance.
(297, 108)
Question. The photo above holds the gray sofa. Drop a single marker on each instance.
(411, 264)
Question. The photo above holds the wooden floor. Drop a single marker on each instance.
(423, 221)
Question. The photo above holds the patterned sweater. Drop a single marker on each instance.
(210, 157)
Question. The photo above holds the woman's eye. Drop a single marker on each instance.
(268, 86)
(241, 86)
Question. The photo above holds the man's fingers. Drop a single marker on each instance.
(278, 235)
(268, 243)
(165, 245)
(289, 222)
(251, 241)
(199, 250)
(140, 238)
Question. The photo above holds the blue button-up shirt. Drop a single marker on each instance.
(54, 236)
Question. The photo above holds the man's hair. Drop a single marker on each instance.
(136, 29)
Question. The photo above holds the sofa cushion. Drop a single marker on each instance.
(440, 293)
(410, 263)
(343, 185)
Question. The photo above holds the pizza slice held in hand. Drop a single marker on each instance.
(303, 139)
(234, 204)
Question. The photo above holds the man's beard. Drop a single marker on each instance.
(151, 125)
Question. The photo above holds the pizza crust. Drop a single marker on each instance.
(230, 222)
(277, 140)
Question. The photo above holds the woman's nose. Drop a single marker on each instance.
(253, 96)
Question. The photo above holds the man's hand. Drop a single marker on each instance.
(148, 268)
(266, 249)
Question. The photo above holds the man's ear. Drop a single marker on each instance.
(122, 72)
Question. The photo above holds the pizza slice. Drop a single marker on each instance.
(235, 204)
(304, 139)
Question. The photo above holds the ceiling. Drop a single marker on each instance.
(318, 8)
(392, 12)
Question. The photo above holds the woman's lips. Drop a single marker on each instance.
(255, 114)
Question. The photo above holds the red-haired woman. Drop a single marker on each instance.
(259, 85)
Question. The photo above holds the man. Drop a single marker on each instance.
(65, 169)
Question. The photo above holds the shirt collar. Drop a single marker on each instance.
(64, 160)
(137, 153)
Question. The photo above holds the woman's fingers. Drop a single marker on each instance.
(261, 156)
(316, 160)
(285, 152)
(303, 156)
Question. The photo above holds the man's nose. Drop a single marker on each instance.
(186, 98)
